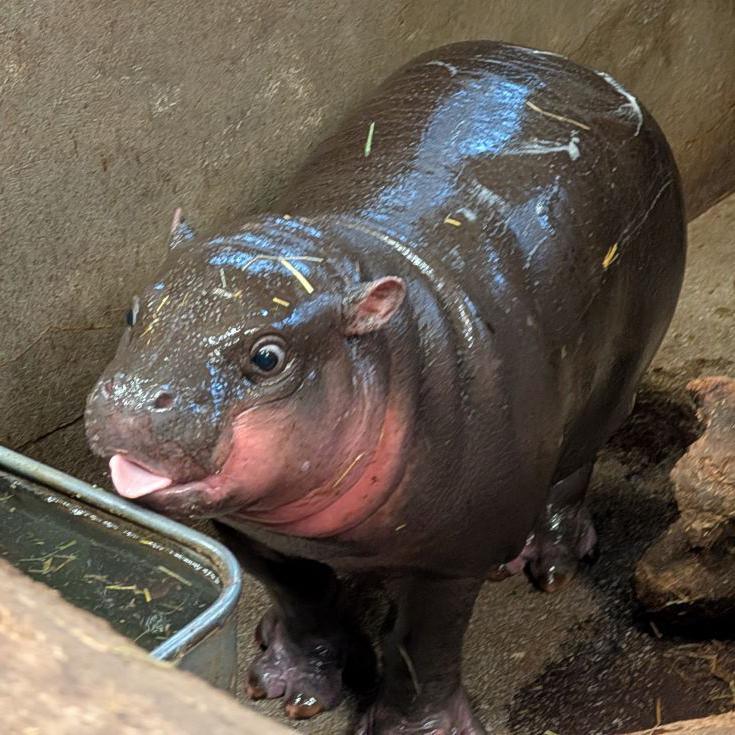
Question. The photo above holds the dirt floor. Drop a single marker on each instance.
(583, 661)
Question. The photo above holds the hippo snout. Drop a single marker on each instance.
(140, 423)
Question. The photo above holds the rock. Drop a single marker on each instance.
(686, 580)
(705, 476)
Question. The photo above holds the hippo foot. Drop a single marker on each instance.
(308, 677)
(554, 550)
(454, 718)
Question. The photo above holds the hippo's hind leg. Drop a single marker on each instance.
(564, 534)
(562, 537)
(303, 638)
(421, 691)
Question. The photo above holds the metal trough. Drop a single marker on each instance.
(171, 589)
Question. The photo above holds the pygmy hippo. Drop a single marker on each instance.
(409, 366)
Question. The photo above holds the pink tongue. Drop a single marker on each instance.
(133, 481)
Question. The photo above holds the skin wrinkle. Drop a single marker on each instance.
(301, 518)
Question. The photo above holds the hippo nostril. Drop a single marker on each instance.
(163, 401)
(108, 388)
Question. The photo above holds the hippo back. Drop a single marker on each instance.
(544, 192)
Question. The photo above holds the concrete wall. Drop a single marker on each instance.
(112, 114)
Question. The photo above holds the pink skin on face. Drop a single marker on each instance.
(296, 472)
(347, 498)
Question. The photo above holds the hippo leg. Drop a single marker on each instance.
(421, 691)
(303, 639)
(563, 535)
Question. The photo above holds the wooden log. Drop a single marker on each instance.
(686, 580)
(716, 725)
(64, 671)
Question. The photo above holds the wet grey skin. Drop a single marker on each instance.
(466, 283)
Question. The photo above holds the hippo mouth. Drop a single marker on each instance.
(312, 516)
(133, 481)
(202, 498)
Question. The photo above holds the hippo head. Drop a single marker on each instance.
(252, 380)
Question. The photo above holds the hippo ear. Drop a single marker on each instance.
(371, 305)
(180, 230)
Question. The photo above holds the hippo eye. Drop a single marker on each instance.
(131, 316)
(268, 355)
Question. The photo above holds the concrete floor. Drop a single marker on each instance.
(582, 662)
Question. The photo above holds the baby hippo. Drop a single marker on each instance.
(409, 366)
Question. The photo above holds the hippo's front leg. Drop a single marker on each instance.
(303, 639)
(422, 692)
